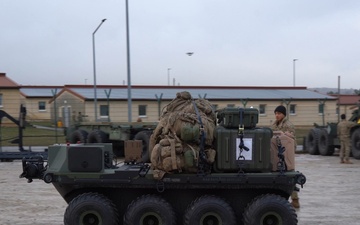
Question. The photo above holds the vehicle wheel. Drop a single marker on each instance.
(149, 210)
(97, 136)
(270, 209)
(312, 141)
(78, 136)
(91, 208)
(325, 144)
(355, 143)
(209, 210)
(144, 136)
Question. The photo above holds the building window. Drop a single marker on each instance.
(230, 105)
(142, 110)
(1, 100)
(292, 109)
(262, 109)
(321, 108)
(42, 106)
(104, 110)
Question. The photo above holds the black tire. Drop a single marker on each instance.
(97, 136)
(270, 209)
(91, 208)
(325, 143)
(144, 136)
(312, 141)
(149, 210)
(355, 143)
(209, 209)
(78, 136)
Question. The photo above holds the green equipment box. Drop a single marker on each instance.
(232, 117)
(254, 157)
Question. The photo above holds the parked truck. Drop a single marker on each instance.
(112, 132)
(323, 139)
(240, 187)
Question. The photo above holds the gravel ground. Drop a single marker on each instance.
(330, 196)
(331, 193)
(23, 203)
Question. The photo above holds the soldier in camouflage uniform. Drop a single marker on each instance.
(343, 132)
(283, 124)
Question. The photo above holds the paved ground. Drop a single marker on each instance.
(331, 195)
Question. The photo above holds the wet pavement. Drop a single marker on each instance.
(331, 195)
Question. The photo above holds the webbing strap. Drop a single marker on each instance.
(241, 146)
(202, 166)
(281, 165)
(173, 154)
(202, 132)
(241, 114)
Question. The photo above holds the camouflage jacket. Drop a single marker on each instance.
(343, 128)
(285, 126)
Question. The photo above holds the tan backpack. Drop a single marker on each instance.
(186, 128)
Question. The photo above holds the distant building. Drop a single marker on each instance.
(66, 102)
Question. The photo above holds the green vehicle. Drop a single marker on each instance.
(240, 187)
(114, 133)
(323, 139)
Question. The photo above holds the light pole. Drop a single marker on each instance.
(168, 73)
(94, 65)
(294, 60)
(128, 61)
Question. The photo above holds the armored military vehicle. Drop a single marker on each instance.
(239, 187)
(323, 139)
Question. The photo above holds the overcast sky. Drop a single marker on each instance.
(235, 42)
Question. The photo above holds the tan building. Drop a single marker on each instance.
(9, 97)
(347, 104)
(74, 102)
(37, 101)
(305, 107)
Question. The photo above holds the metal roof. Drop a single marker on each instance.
(39, 92)
(169, 92)
(220, 93)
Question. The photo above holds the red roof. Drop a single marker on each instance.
(348, 99)
(7, 82)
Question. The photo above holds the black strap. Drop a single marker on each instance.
(281, 165)
(241, 114)
(202, 155)
(241, 133)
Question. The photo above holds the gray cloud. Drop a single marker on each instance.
(234, 42)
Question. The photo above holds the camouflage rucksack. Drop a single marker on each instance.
(184, 135)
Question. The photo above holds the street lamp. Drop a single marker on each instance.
(94, 64)
(128, 61)
(294, 71)
(168, 73)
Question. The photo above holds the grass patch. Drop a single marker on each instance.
(31, 136)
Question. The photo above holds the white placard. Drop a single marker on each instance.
(246, 154)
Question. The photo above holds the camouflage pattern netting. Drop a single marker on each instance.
(175, 143)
